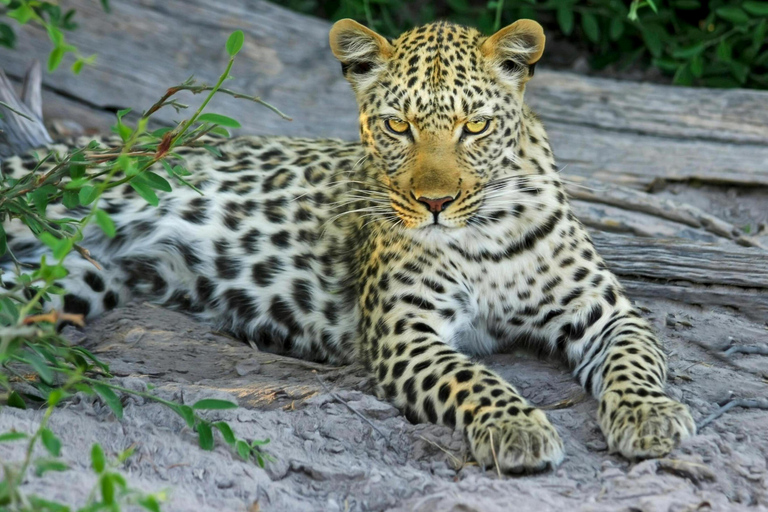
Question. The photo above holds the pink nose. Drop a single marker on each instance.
(436, 205)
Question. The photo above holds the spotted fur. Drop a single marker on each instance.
(410, 252)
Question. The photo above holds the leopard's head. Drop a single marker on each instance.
(441, 109)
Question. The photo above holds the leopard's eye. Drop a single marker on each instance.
(397, 126)
(476, 127)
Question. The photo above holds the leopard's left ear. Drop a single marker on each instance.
(516, 48)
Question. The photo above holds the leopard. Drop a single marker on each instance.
(443, 234)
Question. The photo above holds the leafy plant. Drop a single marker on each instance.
(37, 364)
(713, 43)
(50, 16)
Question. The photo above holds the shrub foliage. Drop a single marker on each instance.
(712, 43)
(39, 368)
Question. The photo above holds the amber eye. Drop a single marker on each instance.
(397, 126)
(476, 127)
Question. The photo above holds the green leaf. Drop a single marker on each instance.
(51, 442)
(77, 66)
(733, 14)
(156, 181)
(697, 66)
(688, 51)
(23, 13)
(212, 149)
(41, 505)
(590, 27)
(44, 465)
(98, 461)
(206, 435)
(70, 199)
(243, 449)
(739, 71)
(653, 35)
(41, 196)
(41, 367)
(211, 403)
(3, 241)
(105, 223)
(721, 82)
(758, 36)
(7, 36)
(724, 51)
(107, 489)
(123, 131)
(122, 112)
(235, 42)
(56, 396)
(218, 119)
(88, 194)
(150, 503)
(87, 353)
(56, 36)
(187, 413)
(160, 132)
(105, 5)
(683, 76)
(218, 130)
(756, 8)
(616, 30)
(59, 247)
(12, 436)
(145, 191)
(226, 432)
(259, 442)
(110, 398)
(77, 166)
(565, 19)
(125, 454)
(54, 58)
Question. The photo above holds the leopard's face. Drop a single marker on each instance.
(440, 112)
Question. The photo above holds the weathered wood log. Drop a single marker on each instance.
(691, 272)
(595, 191)
(21, 125)
(617, 131)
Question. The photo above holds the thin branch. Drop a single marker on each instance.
(197, 89)
(747, 349)
(359, 414)
(747, 403)
(22, 114)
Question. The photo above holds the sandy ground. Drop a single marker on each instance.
(329, 458)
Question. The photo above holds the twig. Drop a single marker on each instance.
(493, 452)
(22, 114)
(54, 316)
(85, 253)
(197, 89)
(576, 398)
(456, 462)
(747, 403)
(747, 349)
(359, 414)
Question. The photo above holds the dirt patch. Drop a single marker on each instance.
(330, 458)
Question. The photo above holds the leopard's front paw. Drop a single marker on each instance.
(645, 427)
(521, 442)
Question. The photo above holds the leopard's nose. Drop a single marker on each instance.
(436, 205)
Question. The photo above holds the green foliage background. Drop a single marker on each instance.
(711, 43)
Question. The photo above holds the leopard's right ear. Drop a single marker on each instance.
(362, 52)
